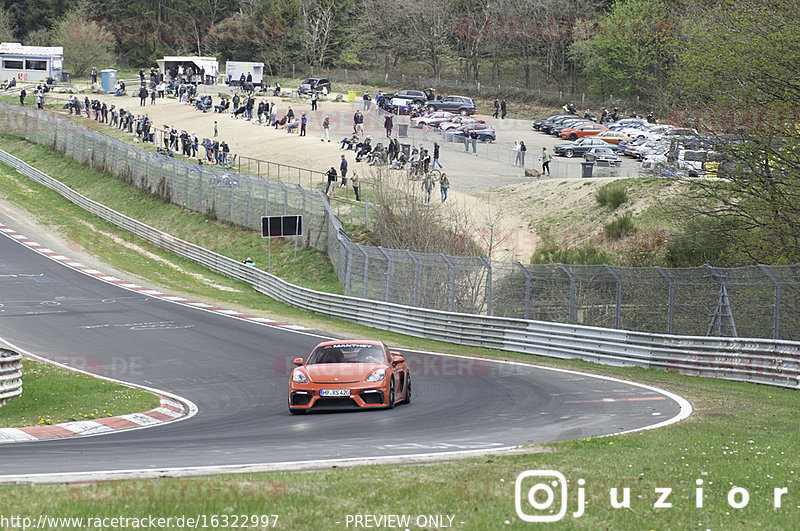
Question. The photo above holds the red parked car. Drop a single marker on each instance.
(584, 130)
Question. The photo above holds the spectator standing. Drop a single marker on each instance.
(216, 128)
(444, 186)
(546, 158)
(367, 101)
(387, 124)
(503, 109)
(142, 94)
(474, 140)
(94, 75)
(326, 129)
(427, 188)
(496, 108)
(516, 153)
(522, 150)
(331, 179)
(303, 123)
(22, 95)
(153, 94)
(436, 157)
(343, 171)
(313, 100)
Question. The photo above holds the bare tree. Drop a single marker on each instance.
(430, 26)
(318, 20)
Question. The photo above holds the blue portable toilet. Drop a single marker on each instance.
(108, 78)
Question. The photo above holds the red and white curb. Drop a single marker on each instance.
(41, 249)
(168, 411)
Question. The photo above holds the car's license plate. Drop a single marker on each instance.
(334, 392)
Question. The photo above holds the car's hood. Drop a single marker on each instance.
(340, 372)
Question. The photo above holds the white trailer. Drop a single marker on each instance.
(235, 69)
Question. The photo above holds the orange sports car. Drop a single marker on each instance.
(347, 375)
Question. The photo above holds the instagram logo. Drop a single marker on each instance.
(550, 489)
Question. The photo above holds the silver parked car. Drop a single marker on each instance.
(602, 156)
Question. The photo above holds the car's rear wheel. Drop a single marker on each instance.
(391, 394)
(569, 153)
(464, 112)
(407, 399)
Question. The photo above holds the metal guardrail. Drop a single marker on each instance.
(10, 375)
(765, 361)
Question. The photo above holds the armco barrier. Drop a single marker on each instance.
(10, 375)
(766, 361)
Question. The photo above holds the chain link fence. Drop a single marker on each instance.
(755, 301)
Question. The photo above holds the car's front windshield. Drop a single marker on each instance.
(347, 353)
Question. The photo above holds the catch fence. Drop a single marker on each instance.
(756, 301)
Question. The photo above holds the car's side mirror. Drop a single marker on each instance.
(397, 359)
(298, 361)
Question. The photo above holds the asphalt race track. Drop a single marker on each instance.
(236, 372)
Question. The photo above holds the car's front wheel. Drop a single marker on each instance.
(569, 153)
(573, 136)
(391, 394)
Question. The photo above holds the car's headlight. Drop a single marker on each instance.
(299, 377)
(377, 375)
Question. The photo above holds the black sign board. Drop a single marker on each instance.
(278, 226)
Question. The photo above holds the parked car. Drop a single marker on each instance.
(625, 146)
(548, 126)
(580, 131)
(579, 147)
(318, 84)
(556, 129)
(482, 132)
(646, 147)
(613, 137)
(456, 104)
(537, 124)
(459, 121)
(415, 96)
(432, 119)
(603, 156)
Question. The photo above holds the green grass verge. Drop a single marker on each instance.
(311, 270)
(51, 395)
(740, 435)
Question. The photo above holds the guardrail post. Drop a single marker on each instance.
(416, 277)
(618, 313)
(233, 190)
(670, 298)
(285, 197)
(452, 280)
(571, 277)
(390, 270)
(723, 309)
(488, 267)
(348, 270)
(776, 322)
(528, 277)
(366, 268)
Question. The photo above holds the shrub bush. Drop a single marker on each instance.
(620, 227)
(584, 256)
(611, 195)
